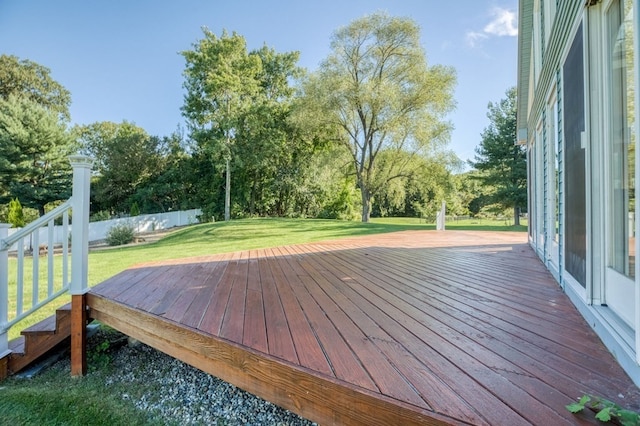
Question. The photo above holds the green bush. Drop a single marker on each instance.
(135, 210)
(343, 206)
(120, 234)
(16, 215)
(100, 216)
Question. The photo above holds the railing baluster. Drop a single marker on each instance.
(50, 258)
(4, 291)
(65, 249)
(20, 278)
(35, 255)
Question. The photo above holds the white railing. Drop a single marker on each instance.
(79, 205)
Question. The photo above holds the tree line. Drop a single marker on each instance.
(366, 134)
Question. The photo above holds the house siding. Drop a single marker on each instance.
(578, 261)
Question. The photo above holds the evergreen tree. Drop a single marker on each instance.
(34, 146)
(16, 215)
(135, 210)
(501, 160)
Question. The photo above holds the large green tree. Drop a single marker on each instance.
(501, 161)
(421, 193)
(173, 184)
(34, 146)
(27, 79)
(125, 158)
(274, 152)
(377, 93)
(221, 79)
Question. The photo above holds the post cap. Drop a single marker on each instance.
(80, 161)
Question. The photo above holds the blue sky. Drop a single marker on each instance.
(119, 58)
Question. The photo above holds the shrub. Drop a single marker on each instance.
(135, 210)
(120, 234)
(16, 216)
(100, 216)
(344, 205)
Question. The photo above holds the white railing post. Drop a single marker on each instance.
(4, 291)
(79, 262)
(80, 223)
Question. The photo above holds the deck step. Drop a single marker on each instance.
(40, 338)
(48, 325)
(16, 346)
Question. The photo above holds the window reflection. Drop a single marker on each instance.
(622, 138)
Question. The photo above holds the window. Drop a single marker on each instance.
(573, 110)
(536, 40)
(621, 136)
(549, 16)
(552, 166)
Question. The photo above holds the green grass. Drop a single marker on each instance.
(58, 399)
(53, 397)
(221, 237)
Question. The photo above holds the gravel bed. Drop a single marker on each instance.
(178, 393)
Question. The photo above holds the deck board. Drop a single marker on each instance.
(416, 327)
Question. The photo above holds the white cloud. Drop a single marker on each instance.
(474, 38)
(503, 23)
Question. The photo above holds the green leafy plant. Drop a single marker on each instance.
(99, 358)
(135, 210)
(100, 216)
(120, 234)
(16, 215)
(606, 411)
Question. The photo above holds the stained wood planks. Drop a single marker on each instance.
(457, 326)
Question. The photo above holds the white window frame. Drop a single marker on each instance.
(551, 143)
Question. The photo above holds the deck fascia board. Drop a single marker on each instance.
(295, 388)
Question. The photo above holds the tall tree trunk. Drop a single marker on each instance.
(516, 216)
(366, 204)
(227, 194)
(252, 196)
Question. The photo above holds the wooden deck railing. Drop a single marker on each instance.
(21, 308)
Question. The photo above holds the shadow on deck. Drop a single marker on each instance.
(416, 327)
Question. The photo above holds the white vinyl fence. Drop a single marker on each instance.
(142, 223)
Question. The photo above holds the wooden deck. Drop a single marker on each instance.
(419, 327)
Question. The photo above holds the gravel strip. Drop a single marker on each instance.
(178, 393)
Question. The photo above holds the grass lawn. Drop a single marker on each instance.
(55, 394)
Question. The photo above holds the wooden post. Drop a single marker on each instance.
(78, 335)
(79, 261)
(4, 300)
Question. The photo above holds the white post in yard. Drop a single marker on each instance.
(4, 297)
(440, 216)
(79, 261)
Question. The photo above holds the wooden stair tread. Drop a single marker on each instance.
(17, 346)
(50, 324)
(46, 326)
(66, 307)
